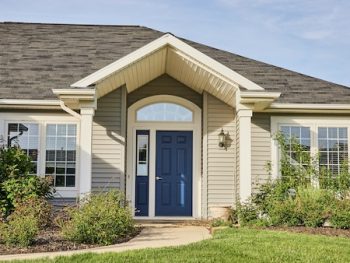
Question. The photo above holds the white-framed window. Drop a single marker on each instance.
(61, 154)
(26, 136)
(164, 112)
(324, 137)
(142, 154)
(333, 147)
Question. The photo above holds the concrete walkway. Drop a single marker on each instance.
(152, 236)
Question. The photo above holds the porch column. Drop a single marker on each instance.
(244, 116)
(85, 150)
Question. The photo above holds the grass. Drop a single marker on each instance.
(236, 245)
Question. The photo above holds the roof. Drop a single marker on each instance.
(36, 58)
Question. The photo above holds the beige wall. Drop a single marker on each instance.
(165, 85)
(108, 143)
(261, 148)
(220, 162)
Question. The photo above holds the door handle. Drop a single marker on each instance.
(159, 178)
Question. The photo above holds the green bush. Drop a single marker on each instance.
(284, 213)
(36, 207)
(248, 214)
(314, 205)
(16, 181)
(340, 217)
(102, 219)
(19, 230)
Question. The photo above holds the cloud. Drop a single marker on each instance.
(305, 19)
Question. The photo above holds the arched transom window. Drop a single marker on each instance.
(164, 111)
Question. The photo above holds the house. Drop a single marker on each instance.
(184, 129)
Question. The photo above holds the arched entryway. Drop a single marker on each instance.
(164, 157)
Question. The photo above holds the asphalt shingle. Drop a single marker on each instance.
(35, 58)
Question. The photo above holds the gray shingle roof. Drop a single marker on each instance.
(35, 58)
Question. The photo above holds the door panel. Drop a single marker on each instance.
(174, 173)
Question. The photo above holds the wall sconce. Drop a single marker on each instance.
(222, 139)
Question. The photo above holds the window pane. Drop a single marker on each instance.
(61, 153)
(333, 144)
(164, 112)
(142, 153)
(25, 136)
(300, 153)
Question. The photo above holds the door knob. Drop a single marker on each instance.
(158, 178)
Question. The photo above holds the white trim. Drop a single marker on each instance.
(308, 108)
(245, 155)
(86, 123)
(205, 157)
(123, 120)
(307, 121)
(133, 125)
(29, 104)
(226, 73)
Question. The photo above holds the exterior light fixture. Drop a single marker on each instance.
(222, 139)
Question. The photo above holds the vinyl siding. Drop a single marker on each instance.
(261, 149)
(108, 143)
(165, 85)
(220, 163)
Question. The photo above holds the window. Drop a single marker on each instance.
(332, 147)
(164, 112)
(61, 154)
(26, 136)
(142, 153)
(299, 135)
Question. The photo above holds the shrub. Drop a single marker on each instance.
(284, 213)
(20, 230)
(314, 205)
(340, 217)
(102, 219)
(16, 181)
(35, 207)
(248, 214)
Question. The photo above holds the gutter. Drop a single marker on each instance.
(29, 104)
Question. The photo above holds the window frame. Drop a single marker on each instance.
(42, 119)
(314, 122)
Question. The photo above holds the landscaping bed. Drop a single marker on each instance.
(325, 231)
(51, 240)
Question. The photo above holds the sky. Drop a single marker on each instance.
(308, 36)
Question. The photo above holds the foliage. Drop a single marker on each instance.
(16, 181)
(102, 219)
(233, 216)
(294, 199)
(20, 230)
(36, 207)
(248, 214)
(341, 214)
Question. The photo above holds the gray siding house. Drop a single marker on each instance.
(183, 129)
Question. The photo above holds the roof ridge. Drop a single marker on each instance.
(68, 24)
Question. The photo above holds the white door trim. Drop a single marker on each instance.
(195, 126)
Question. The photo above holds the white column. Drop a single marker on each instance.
(85, 150)
(245, 176)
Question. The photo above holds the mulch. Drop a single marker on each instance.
(50, 240)
(325, 231)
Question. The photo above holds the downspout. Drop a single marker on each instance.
(69, 111)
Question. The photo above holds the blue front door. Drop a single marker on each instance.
(174, 173)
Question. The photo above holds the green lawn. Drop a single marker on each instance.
(237, 245)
